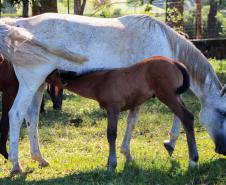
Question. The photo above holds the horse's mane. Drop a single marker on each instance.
(185, 52)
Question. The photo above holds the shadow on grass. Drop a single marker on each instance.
(209, 173)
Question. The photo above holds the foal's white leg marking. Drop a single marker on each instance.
(131, 121)
(32, 119)
(16, 116)
(173, 134)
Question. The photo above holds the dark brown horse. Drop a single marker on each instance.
(9, 87)
(126, 88)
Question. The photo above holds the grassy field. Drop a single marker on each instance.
(78, 153)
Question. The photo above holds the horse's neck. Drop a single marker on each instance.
(83, 86)
(205, 91)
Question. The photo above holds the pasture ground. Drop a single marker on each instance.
(77, 153)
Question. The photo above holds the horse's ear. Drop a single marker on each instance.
(223, 90)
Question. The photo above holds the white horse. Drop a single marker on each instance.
(79, 44)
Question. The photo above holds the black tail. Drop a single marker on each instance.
(186, 79)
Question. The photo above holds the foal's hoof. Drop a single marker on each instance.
(193, 164)
(168, 148)
(16, 170)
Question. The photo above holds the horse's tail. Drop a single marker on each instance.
(186, 79)
(9, 35)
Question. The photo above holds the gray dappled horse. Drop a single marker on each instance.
(76, 43)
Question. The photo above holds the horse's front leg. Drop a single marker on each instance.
(131, 122)
(16, 115)
(111, 136)
(32, 119)
(173, 136)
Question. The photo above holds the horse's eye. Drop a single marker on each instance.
(221, 112)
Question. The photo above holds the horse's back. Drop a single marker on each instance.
(164, 73)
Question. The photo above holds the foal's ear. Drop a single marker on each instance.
(223, 90)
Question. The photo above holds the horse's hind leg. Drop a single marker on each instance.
(131, 121)
(32, 119)
(187, 119)
(4, 130)
(4, 126)
(111, 136)
(7, 101)
(16, 115)
(173, 135)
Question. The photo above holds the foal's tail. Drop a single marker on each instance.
(186, 79)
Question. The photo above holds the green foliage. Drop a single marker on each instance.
(117, 12)
(189, 19)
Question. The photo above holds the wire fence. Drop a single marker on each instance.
(158, 11)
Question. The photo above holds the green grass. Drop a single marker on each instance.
(78, 154)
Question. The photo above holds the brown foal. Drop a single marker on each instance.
(126, 88)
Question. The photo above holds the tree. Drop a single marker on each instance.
(79, 7)
(25, 10)
(198, 19)
(25, 6)
(43, 6)
(175, 14)
(212, 21)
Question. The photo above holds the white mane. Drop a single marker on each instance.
(184, 51)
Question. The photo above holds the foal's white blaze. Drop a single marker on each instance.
(64, 41)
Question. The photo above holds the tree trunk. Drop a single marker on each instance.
(36, 8)
(48, 6)
(198, 19)
(79, 7)
(25, 8)
(175, 14)
(43, 6)
(212, 21)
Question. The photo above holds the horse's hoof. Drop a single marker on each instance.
(168, 148)
(127, 155)
(16, 170)
(192, 164)
(43, 164)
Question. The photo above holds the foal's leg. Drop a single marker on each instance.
(187, 119)
(173, 136)
(177, 106)
(112, 135)
(32, 119)
(131, 121)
